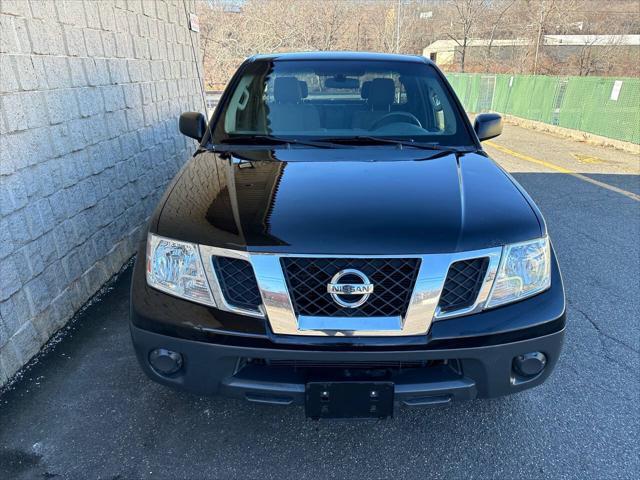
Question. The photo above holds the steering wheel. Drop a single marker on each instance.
(396, 117)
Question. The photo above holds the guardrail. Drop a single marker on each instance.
(605, 106)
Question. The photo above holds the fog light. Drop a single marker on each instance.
(530, 364)
(165, 361)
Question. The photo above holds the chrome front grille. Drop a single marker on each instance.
(393, 280)
(410, 291)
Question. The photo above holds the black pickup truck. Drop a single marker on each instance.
(341, 240)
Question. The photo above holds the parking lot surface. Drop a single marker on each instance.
(85, 409)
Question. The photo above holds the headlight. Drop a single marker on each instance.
(525, 269)
(176, 268)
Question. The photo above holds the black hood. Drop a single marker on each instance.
(375, 200)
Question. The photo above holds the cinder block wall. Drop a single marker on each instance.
(90, 93)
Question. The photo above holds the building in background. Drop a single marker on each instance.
(558, 49)
(446, 52)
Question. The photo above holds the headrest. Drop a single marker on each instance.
(286, 90)
(365, 89)
(381, 93)
(304, 89)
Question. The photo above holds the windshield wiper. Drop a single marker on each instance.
(369, 140)
(265, 140)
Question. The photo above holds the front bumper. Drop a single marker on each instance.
(461, 358)
(455, 374)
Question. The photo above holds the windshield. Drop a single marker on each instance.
(341, 99)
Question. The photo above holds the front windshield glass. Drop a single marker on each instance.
(340, 99)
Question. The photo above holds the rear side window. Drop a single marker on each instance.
(329, 98)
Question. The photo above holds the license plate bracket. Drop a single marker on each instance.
(349, 399)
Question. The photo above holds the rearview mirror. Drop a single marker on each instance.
(488, 125)
(340, 81)
(192, 124)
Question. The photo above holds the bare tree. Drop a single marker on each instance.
(467, 12)
(231, 30)
(497, 22)
(544, 10)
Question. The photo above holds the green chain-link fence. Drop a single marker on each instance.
(604, 106)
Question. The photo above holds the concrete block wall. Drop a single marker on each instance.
(90, 93)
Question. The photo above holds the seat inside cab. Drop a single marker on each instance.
(292, 107)
(288, 112)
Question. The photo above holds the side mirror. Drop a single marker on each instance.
(192, 124)
(488, 125)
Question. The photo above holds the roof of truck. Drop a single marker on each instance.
(354, 56)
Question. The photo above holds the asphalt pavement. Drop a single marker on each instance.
(85, 409)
